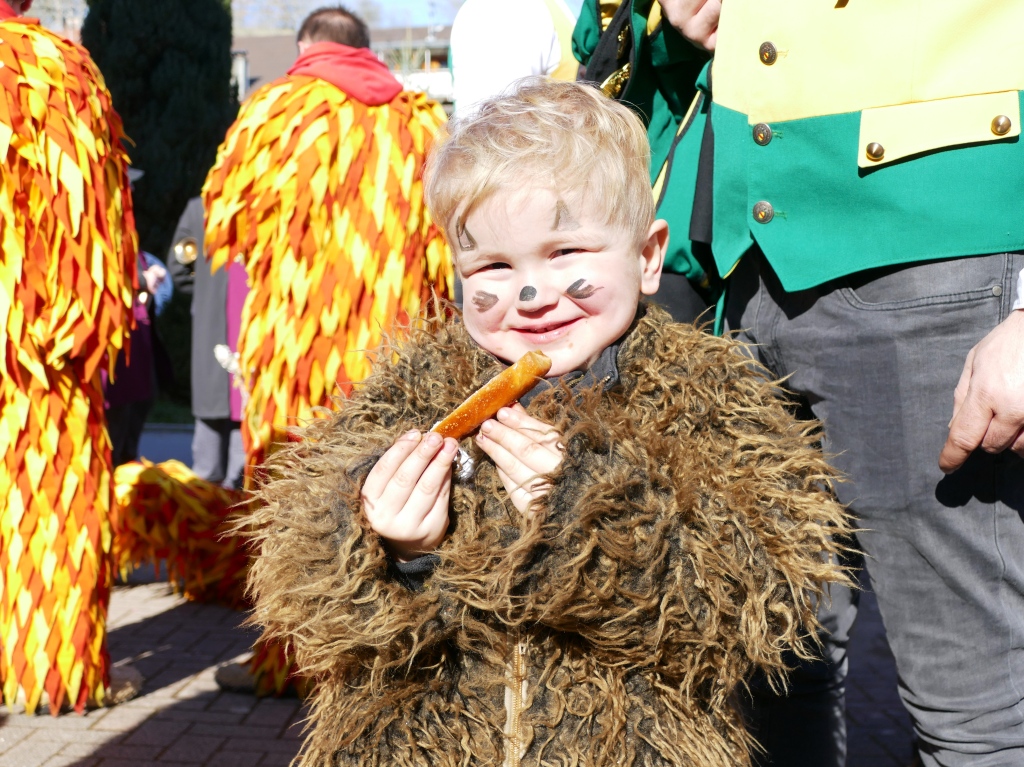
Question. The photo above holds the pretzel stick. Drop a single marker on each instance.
(504, 389)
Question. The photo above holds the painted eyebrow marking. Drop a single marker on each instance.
(484, 301)
(466, 241)
(564, 222)
(528, 293)
(580, 289)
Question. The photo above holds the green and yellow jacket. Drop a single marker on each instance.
(866, 133)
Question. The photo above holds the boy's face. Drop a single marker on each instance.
(539, 274)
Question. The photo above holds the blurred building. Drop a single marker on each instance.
(64, 17)
(268, 54)
(418, 57)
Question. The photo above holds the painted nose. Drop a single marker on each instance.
(532, 298)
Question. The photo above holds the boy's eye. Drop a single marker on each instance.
(568, 251)
(492, 267)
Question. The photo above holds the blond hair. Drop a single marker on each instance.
(566, 136)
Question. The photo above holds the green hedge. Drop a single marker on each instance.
(168, 66)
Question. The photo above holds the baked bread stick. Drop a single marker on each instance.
(502, 390)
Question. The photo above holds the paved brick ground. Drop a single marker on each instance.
(878, 727)
(182, 718)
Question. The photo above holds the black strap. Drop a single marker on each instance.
(703, 197)
(605, 58)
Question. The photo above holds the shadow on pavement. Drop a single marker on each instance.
(181, 715)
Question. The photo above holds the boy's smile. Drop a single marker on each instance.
(538, 274)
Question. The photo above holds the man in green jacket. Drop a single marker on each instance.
(867, 211)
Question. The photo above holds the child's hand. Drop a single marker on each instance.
(154, 277)
(524, 450)
(405, 495)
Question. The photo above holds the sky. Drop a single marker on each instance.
(417, 13)
(391, 12)
(422, 12)
(383, 13)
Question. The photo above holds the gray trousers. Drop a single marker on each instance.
(217, 454)
(877, 357)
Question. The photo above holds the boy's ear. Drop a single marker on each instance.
(652, 257)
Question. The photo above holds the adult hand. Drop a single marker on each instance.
(988, 404)
(405, 495)
(524, 451)
(696, 20)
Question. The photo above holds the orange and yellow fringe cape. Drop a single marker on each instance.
(321, 198)
(67, 270)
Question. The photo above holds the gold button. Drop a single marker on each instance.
(768, 53)
(762, 134)
(763, 212)
(875, 151)
(1001, 125)
(185, 251)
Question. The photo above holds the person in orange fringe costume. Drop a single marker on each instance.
(317, 190)
(67, 273)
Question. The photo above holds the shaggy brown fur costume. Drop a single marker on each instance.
(681, 545)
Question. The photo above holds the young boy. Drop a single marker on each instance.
(595, 578)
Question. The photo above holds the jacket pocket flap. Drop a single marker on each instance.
(891, 133)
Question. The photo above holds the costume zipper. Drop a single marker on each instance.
(515, 695)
